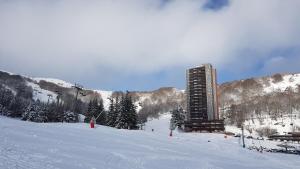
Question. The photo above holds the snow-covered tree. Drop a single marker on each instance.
(55, 112)
(100, 113)
(3, 110)
(17, 106)
(121, 121)
(6, 96)
(112, 113)
(133, 118)
(177, 117)
(127, 117)
(70, 117)
(94, 110)
(35, 112)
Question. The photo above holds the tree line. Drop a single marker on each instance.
(19, 103)
(121, 113)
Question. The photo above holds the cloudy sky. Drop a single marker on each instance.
(147, 44)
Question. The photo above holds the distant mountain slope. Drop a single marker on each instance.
(44, 89)
(266, 103)
(276, 96)
(233, 91)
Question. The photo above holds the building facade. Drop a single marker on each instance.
(201, 94)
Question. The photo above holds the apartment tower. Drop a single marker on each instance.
(201, 94)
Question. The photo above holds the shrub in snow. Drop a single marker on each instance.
(81, 118)
(4, 111)
(70, 117)
(36, 113)
(277, 78)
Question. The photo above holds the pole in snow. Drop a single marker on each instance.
(171, 133)
(243, 137)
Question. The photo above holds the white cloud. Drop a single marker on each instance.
(129, 36)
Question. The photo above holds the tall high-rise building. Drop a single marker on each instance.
(201, 94)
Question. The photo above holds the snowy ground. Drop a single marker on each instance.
(26, 145)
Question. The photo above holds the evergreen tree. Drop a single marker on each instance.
(121, 122)
(6, 96)
(55, 112)
(89, 113)
(112, 113)
(3, 110)
(94, 110)
(132, 115)
(35, 112)
(100, 113)
(17, 106)
(127, 117)
(177, 117)
(70, 117)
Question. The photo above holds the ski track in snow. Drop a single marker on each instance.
(26, 145)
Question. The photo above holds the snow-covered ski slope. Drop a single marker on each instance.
(27, 145)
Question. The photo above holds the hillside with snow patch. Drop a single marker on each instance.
(55, 81)
(287, 81)
(232, 92)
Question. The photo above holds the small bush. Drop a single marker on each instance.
(277, 78)
(70, 117)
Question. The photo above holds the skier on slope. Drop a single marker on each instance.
(92, 122)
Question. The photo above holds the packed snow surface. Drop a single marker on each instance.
(27, 145)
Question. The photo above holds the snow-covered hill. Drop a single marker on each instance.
(26, 145)
(160, 97)
(264, 96)
(271, 102)
(55, 81)
(45, 89)
(281, 84)
(232, 92)
(41, 94)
